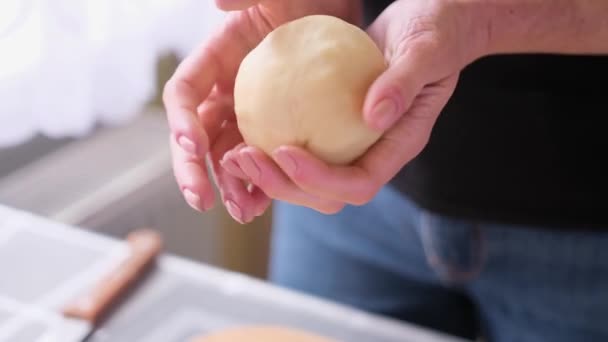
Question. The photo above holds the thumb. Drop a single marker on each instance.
(235, 5)
(394, 91)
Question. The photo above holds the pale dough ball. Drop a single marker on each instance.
(305, 85)
(261, 334)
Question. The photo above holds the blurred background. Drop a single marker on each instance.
(83, 135)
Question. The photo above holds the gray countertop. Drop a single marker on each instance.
(44, 263)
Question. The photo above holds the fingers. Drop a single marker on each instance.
(242, 202)
(183, 93)
(213, 64)
(189, 166)
(256, 204)
(231, 164)
(196, 101)
(359, 183)
(352, 185)
(266, 175)
(411, 50)
(191, 176)
(214, 112)
(409, 135)
(392, 94)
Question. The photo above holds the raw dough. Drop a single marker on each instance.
(305, 85)
(261, 334)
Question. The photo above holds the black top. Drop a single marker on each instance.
(523, 140)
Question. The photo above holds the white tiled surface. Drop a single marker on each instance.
(44, 264)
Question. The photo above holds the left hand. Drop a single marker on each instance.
(427, 44)
(200, 105)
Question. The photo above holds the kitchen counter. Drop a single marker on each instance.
(45, 263)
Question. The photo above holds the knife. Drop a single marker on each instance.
(81, 316)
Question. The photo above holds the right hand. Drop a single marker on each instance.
(200, 106)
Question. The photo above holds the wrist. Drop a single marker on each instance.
(473, 18)
(541, 26)
(518, 26)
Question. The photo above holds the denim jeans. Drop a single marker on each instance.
(469, 279)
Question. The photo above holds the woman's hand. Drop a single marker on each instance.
(199, 101)
(426, 43)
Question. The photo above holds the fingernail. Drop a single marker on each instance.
(286, 161)
(187, 144)
(233, 168)
(249, 166)
(192, 199)
(234, 211)
(384, 114)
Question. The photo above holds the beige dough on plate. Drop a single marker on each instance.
(261, 334)
(305, 85)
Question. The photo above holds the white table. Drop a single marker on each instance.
(44, 263)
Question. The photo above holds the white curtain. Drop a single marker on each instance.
(66, 65)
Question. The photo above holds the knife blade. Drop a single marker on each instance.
(81, 316)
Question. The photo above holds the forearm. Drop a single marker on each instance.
(544, 26)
